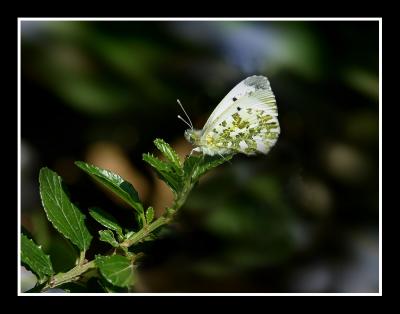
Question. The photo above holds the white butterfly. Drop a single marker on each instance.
(245, 121)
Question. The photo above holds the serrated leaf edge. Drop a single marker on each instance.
(84, 249)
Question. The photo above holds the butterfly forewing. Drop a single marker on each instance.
(245, 87)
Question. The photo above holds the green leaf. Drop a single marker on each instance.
(105, 219)
(195, 166)
(169, 154)
(116, 269)
(108, 236)
(149, 215)
(114, 183)
(165, 172)
(63, 214)
(33, 257)
(190, 165)
(109, 288)
(209, 162)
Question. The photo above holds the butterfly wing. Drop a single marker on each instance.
(245, 87)
(247, 125)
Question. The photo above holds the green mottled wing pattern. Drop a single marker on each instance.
(247, 124)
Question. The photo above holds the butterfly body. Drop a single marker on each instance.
(245, 121)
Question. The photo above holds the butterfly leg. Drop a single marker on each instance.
(196, 149)
(224, 158)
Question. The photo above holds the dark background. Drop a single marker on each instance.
(304, 218)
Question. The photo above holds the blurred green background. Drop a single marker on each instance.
(304, 218)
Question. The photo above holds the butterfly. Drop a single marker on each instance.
(245, 121)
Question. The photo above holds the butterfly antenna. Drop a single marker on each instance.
(190, 124)
(179, 117)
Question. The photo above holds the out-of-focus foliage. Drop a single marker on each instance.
(304, 218)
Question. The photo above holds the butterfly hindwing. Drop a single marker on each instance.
(249, 126)
(245, 121)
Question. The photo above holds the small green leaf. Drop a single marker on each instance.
(156, 163)
(114, 183)
(116, 269)
(190, 165)
(169, 154)
(149, 215)
(129, 233)
(195, 166)
(109, 288)
(165, 172)
(209, 162)
(105, 219)
(63, 214)
(108, 236)
(33, 257)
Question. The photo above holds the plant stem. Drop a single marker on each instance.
(82, 267)
(81, 258)
(145, 231)
(71, 275)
